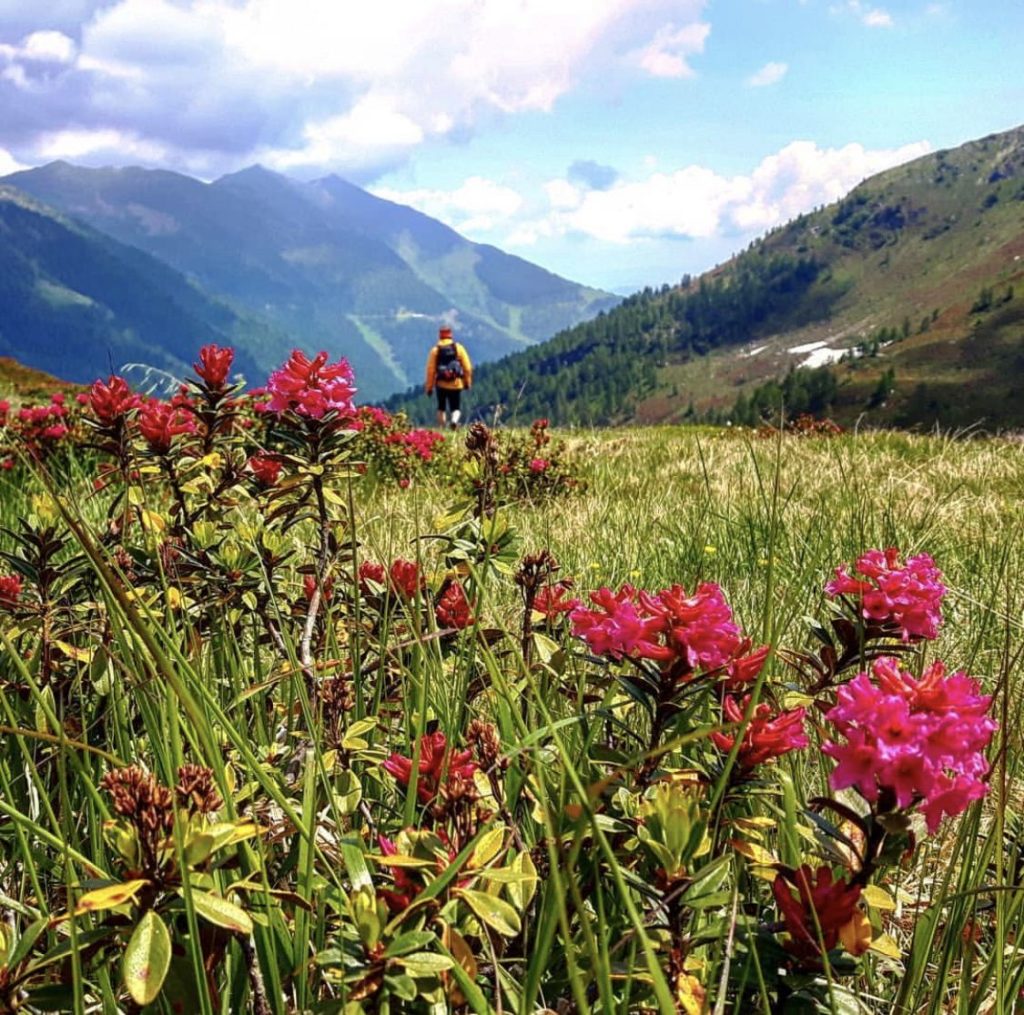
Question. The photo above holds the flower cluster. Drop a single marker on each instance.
(312, 387)
(823, 913)
(921, 739)
(453, 609)
(440, 770)
(667, 626)
(160, 422)
(38, 430)
(553, 600)
(266, 469)
(214, 365)
(766, 736)
(908, 596)
(421, 443)
(10, 591)
(405, 578)
(111, 402)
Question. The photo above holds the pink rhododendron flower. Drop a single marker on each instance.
(160, 422)
(701, 625)
(923, 739)
(909, 597)
(453, 609)
(621, 626)
(214, 364)
(312, 387)
(422, 443)
(439, 766)
(766, 736)
(667, 625)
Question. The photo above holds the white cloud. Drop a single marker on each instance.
(877, 18)
(337, 85)
(695, 202)
(9, 164)
(771, 73)
(119, 146)
(667, 54)
(48, 47)
(870, 17)
(478, 205)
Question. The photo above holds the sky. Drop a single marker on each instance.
(620, 143)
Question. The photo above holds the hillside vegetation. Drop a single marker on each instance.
(915, 274)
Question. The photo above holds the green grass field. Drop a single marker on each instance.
(583, 843)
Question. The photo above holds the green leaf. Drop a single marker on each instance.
(493, 911)
(425, 963)
(350, 792)
(109, 897)
(405, 943)
(401, 986)
(521, 892)
(219, 911)
(147, 959)
(487, 848)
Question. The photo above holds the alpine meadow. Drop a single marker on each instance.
(306, 710)
(511, 507)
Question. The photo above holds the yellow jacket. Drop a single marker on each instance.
(465, 382)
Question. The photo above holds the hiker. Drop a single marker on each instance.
(450, 371)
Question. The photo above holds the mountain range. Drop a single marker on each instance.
(104, 266)
(902, 303)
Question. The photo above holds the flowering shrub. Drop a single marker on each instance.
(312, 387)
(907, 597)
(917, 742)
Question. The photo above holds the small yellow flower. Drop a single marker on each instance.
(710, 550)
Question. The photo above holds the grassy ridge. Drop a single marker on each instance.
(908, 254)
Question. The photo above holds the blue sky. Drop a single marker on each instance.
(617, 142)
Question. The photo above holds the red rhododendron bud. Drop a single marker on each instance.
(405, 578)
(817, 915)
(552, 600)
(266, 469)
(452, 608)
(161, 422)
(112, 401)
(766, 735)
(438, 765)
(214, 364)
(370, 571)
(10, 590)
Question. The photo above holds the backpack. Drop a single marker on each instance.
(449, 366)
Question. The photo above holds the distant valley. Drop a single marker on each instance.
(106, 266)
